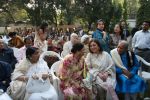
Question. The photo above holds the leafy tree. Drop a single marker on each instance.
(68, 11)
(7, 7)
(116, 15)
(125, 10)
(92, 10)
(39, 10)
(11, 13)
(143, 12)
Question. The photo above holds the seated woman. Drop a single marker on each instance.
(101, 68)
(32, 67)
(72, 74)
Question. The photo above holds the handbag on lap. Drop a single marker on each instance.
(37, 86)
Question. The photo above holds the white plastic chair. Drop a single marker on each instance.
(56, 81)
(145, 75)
(50, 53)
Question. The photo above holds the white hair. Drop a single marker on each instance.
(73, 35)
(125, 43)
(84, 37)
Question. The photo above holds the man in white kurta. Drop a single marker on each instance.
(68, 45)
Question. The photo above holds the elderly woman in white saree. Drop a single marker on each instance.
(30, 69)
(102, 70)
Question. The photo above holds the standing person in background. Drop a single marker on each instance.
(126, 33)
(125, 29)
(40, 37)
(101, 35)
(116, 36)
(141, 43)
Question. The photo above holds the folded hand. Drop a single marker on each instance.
(45, 76)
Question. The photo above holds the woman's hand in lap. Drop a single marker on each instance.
(35, 77)
(45, 76)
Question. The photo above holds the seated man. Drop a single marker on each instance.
(68, 45)
(5, 74)
(128, 81)
(7, 54)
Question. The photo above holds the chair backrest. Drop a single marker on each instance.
(141, 60)
(51, 53)
(51, 57)
(55, 67)
(56, 80)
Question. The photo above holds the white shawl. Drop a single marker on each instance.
(101, 63)
(117, 59)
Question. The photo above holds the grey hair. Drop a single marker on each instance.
(125, 43)
(73, 34)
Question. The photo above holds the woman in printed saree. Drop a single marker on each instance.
(102, 70)
(72, 72)
(36, 68)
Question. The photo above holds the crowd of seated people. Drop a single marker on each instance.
(88, 71)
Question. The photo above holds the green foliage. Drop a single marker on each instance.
(92, 10)
(82, 11)
(143, 12)
(132, 8)
(125, 10)
(117, 13)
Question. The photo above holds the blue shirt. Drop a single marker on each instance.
(103, 40)
(7, 55)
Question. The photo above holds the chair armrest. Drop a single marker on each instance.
(143, 61)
